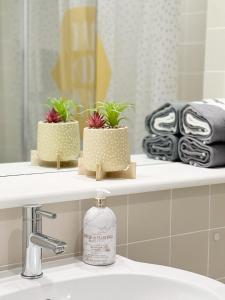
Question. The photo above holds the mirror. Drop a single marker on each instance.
(143, 52)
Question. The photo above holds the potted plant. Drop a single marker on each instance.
(58, 137)
(105, 140)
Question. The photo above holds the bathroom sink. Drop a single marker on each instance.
(126, 279)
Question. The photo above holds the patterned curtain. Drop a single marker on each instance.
(140, 39)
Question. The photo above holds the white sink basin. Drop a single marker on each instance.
(125, 280)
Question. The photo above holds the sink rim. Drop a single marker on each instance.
(73, 268)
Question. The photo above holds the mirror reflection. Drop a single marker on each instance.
(145, 53)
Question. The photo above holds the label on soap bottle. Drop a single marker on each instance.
(99, 244)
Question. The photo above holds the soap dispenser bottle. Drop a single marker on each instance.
(99, 233)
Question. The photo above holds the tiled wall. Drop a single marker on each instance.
(214, 79)
(201, 58)
(184, 228)
(191, 49)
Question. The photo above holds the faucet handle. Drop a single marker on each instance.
(47, 214)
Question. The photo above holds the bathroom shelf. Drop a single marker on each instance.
(66, 186)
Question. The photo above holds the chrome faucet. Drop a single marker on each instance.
(34, 240)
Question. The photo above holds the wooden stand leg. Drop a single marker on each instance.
(128, 173)
(131, 171)
(81, 168)
(100, 174)
(34, 158)
(58, 161)
(36, 161)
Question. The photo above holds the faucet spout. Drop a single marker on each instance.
(46, 241)
(34, 241)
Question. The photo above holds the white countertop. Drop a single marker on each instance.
(65, 186)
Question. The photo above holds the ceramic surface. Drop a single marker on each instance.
(69, 186)
(107, 147)
(125, 280)
(61, 139)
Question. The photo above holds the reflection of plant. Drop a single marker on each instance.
(96, 120)
(52, 116)
(112, 112)
(60, 110)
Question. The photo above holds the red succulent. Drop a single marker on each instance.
(96, 121)
(53, 116)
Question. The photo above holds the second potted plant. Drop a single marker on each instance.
(58, 138)
(105, 140)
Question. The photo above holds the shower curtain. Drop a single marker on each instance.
(94, 50)
(61, 56)
(140, 39)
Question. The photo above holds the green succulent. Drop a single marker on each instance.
(65, 108)
(113, 112)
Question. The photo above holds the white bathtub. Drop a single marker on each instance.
(125, 280)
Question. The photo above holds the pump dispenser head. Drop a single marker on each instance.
(101, 195)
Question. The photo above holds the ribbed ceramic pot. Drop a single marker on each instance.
(106, 146)
(61, 139)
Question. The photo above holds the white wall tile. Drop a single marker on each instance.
(214, 84)
(196, 5)
(215, 50)
(183, 6)
(216, 13)
(190, 87)
(191, 58)
(193, 28)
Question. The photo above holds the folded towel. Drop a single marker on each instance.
(163, 147)
(194, 152)
(165, 119)
(204, 120)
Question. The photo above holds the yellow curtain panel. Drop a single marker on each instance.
(82, 70)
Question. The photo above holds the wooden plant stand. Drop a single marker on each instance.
(128, 173)
(36, 161)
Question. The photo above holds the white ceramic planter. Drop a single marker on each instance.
(61, 139)
(106, 146)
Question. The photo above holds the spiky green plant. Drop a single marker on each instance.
(64, 107)
(113, 112)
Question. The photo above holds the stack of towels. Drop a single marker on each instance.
(163, 128)
(202, 125)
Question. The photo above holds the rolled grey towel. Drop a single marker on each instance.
(196, 153)
(163, 147)
(204, 120)
(165, 119)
